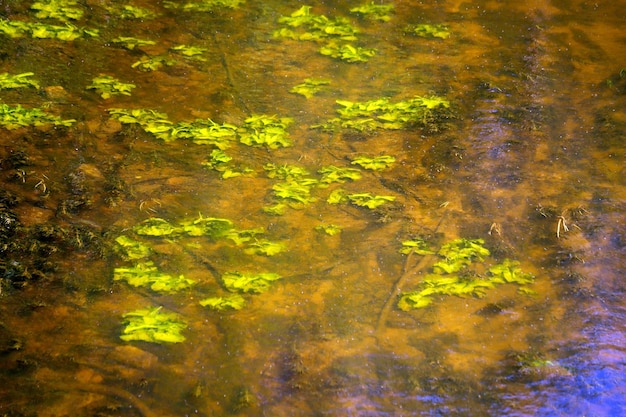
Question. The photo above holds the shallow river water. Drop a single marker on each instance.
(432, 225)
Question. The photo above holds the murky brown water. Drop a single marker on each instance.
(529, 158)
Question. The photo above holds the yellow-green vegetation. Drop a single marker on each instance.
(62, 10)
(383, 114)
(190, 52)
(15, 117)
(200, 131)
(153, 325)
(147, 275)
(309, 87)
(329, 229)
(131, 43)
(264, 130)
(153, 63)
(203, 5)
(293, 193)
(306, 26)
(332, 174)
(128, 11)
(458, 272)
(131, 249)
(430, 31)
(368, 200)
(264, 247)
(107, 86)
(417, 246)
(23, 80)
(374, 11)
(249, 282)
(219, 161)
(347, 52)
(68, 32)
(231, 302)
(377, 163)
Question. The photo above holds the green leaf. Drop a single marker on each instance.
(156, 227)
(509, 272)
(430, 31)
(295, 194)
(147, 275)
(264, 247)
(368, 200)
(329, 229)
(132, 249)
(17, 81)
(374, 11)
(347, 52)
(332, 174)
(211, 227)
(233, 302)
(131, 43)
(376, 163)
(108, 86)
(309, 87)
(417, 246)
(153, 325)
(249, 283)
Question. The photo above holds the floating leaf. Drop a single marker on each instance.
(153, 325)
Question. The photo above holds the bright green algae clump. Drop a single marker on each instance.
(383, 114)
(453, 275)
(153, 325)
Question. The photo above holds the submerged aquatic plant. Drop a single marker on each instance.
(155, 226)
(191, 52)
(329, 229)
(332, 174)
(63, 10)
(374, 11)
(232, 302)
(309, 87)
(153, 63)
(132, 249)
(23, 80)
(147, 275)
(383, 114)
(203, 5)
(69, 32)
(131, 43)
(430, 31)
(14, 117)
(264, 130)
(452, 275)
(153, 325)
(347, 52)
(304, 25)
(108, 86)
(249, 283)
(377, 163)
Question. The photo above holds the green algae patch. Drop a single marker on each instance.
(309, 87)
(108, 86)
(263, 130)
(147, 275)
(132, 249)
(347, 52)
(24, 80)
(153, 325)
(384, 114)
(232, 302)
(249, 283)
(130, 43)
(430, 31)
(204, 5)
(372, 11)
(62, 10)
(15, 117)
(457, 273)
(377, 163)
